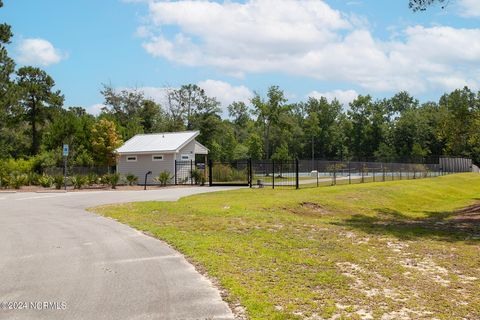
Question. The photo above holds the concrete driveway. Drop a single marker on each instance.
(58, 261)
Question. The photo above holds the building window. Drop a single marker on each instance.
(185, 157)
(157, 157)
(131, 158)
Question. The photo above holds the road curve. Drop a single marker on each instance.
(58, 261)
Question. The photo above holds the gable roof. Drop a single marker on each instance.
(158, 142)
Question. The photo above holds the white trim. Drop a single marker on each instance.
(131, 158)
(158, 156)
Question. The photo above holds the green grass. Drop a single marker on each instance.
(380, 249)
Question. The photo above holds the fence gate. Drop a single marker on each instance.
(233, 173)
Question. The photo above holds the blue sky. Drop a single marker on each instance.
(307, 47)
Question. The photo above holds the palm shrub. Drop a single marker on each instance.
(4, 180)
(78, 181)
(104, 180)
(45, 180)
(32, 179)
(163, 178)
(131, 179)
(58, 182)
(92, 178)
(17, 180)
(196, 175)
(113, 179)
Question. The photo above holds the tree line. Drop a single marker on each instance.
(34, 123)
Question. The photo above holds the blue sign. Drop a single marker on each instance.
(65, 150)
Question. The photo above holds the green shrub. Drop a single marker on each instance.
(78, 181)
(4, 180)
(58, 182)
(17, 180)
(19, 166)
(197, 175)
(32, 179)
(226, 173)
(46, 159)
(131, 179)
(164, 178)
(45, 180)
(113, 179)
(92, 179)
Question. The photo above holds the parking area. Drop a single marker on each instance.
(82, 266)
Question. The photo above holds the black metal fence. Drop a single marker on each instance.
(302, 173)
(54, 171)
(190, 172)
(315, 173)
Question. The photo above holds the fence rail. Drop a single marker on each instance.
(315, 173)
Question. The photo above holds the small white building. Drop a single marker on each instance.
(158, 152)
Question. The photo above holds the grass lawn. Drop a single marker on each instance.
(392, 250)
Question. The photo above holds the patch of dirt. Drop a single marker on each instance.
(311, 208)
(406, 314)
(428, 268)
(469, 213)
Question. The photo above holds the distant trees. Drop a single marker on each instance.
(35, 124)
(422, 5)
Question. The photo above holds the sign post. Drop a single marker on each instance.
(65, 155)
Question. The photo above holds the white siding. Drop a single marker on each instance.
(144, 164)
(187, 149)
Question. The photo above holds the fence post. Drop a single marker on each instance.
(273, 174)
(383, 169)
(414, 174)
(349, 173)
(373, 173)
(334, 182)
(250, 173)
(175, 171)
(297, 184)
(363, 173)
(191, 172)
(210, 173)
(400, 173)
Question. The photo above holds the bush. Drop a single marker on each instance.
(112, 179)
(20, 166)
(17, 180)
(4, 180)
(58, 181)
(32, 179)
(226, 173)
(131, 179)
(197, 176)
(164, 178)
(78, 181)
(92, 178)
(45, 181)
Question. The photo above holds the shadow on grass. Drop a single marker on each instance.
(461, 225)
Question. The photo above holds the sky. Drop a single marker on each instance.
(331, 48)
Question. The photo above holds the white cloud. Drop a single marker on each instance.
(95, 109)
(343, 96)
(309, 38)
(38, 52)
(469, 8)
(225, 92)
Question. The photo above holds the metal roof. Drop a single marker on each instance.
(157, 142)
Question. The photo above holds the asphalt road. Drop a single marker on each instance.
(90, 267)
